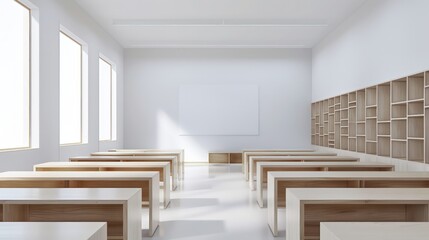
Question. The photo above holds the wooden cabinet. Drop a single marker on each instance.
(225, 157)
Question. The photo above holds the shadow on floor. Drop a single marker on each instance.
(189, 228)
(193, 202)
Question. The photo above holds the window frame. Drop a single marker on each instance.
(29, 143)
(112, 100)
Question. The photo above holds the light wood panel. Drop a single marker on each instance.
(180, 159)
(307, 208)
(262, 169)
(120, 208)
(163, 168)
(171, 159)
(253, 160)
(285, 153)
(147, 182)
(280, 182)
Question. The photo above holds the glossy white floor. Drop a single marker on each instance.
(214, 202)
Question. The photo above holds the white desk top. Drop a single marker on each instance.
(80, 175)
(72, 195)
(126, 153)
(48, 230)
(351, 175)
(321, 158)
(290, 154)
(323, 164)
(358, 194)
(146, 150)
(122, 157)
(377, 230)
(103, 164)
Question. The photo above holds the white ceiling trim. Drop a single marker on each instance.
(211, 23)
(215, 46)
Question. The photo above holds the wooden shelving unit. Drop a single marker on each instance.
(388, 120)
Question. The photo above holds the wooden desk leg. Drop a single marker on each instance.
(167, 186)
(259, 187)
(153, 206)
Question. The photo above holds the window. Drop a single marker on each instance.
(107, 101)
(15, 59)
(70, 90)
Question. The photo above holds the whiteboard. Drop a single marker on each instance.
(219, 110)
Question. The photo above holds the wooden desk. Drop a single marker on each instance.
(163, 168)
(120, 208)
(179, 154)
(245, 151)
(247, 155)
(307, 208)
(53, 230)
(374, 231)
(181, 157)
(148, 182)
(254, 160)
(262, 169)
(172, 160)
(279, 182)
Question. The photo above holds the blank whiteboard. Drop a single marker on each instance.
(219, 110)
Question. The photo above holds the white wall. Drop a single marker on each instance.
(152, 85)
(382, 41)
(70, 15)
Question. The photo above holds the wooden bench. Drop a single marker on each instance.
(148, 182)
(263, 168)
(269, 154)
(45, 230)
(163, 168)
(279, 182)
(179, 154)
(307, 208)
(374, 230)
(171, 160)
(245, 151)
(120, 208)
(254, 160)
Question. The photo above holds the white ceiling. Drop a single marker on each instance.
(219, 23)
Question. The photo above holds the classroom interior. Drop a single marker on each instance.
(201, 120)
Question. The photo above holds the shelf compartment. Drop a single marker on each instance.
(416, 150)
(383, 146)
(427, 126)
(331, 123)
(360, 105)
(416, 127)
(360, 129)
(344, 131)
(399, 129)
(352, 144)
(371, 128)
(360, 144)
(371, 112)
(383, 129)
(337, 133)
(344, 101)
(416, 108)
(337, 100)
(383, 103)
(371, 96)
(427, 94)
(352, 97)
(352, 129)
(399, 90)
(344, 114)
(371, 148)
(399, 110)
(399, 149)
(416, 87)
(344, 143)
(337, 116)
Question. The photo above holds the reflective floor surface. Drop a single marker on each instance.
(214, 202)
